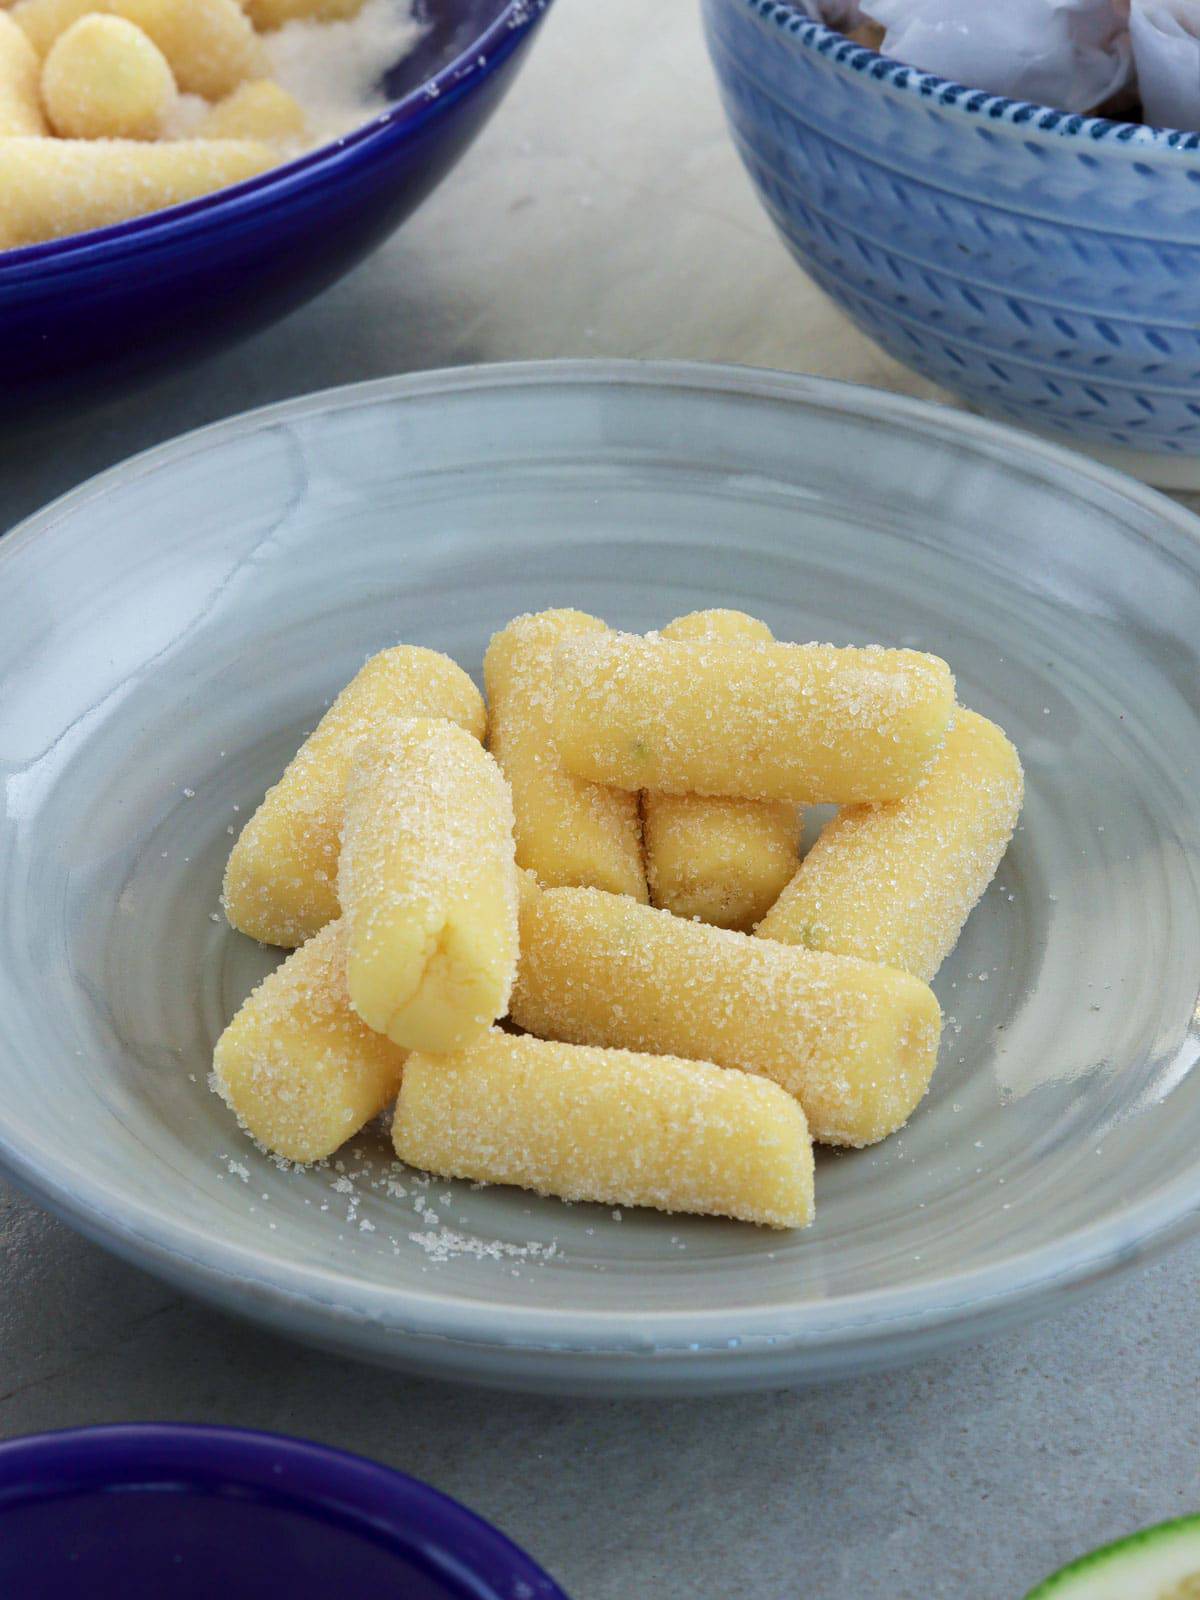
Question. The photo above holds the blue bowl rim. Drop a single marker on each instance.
(968, 1300)
(391, 127)
(320, 1480)
(790, 16)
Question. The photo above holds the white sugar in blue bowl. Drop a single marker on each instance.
(1042, 265)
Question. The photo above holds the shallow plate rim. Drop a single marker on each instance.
(146, 1232)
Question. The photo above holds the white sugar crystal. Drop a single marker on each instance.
(335, 69)
(446, 1245)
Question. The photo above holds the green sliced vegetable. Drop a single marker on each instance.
(1160, 1563)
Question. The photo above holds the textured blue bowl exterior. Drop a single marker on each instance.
(1043, 265)
(88, 313)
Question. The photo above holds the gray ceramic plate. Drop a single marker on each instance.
(169, 631)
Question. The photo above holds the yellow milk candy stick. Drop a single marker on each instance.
(106, 79)
(719, 861)
(607, 1125)
(807, 723)
(269, 14)
(259, 110)
(210, 44)
(299, 1070)
(568, 832)
(895, 883)
(53, 187)
(854, 1042)
(281, 880)
(20, 95)
(723, 861)
(43, 20)
(428, 887)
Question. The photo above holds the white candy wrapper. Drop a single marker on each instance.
(843, 14)
(1072, 54)
(1166, 52)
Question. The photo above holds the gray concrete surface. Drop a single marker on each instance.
(604, 213)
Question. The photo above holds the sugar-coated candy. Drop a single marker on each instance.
(210, 44)
(856, 1043)
(53, 187)
(43, 20)
(301, 1072)
(267, 15)
(896, 882)
(103, 78)
(428, 887)
(569, 832)
(608, 1125)
(719, 623)
(806, 723)
(20, 94)
(281, 880)
(262, 110)
(722, 861)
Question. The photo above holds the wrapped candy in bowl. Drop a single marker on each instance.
(1007, 198)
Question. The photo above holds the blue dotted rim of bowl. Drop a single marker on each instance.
(397, 122)
(861, 58)
(416, 1521)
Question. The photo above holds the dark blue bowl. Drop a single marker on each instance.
(130, 1513)
(93, 310)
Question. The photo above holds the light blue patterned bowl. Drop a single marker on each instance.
(1043, 265)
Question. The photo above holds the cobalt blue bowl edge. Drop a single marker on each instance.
(314, 1479)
